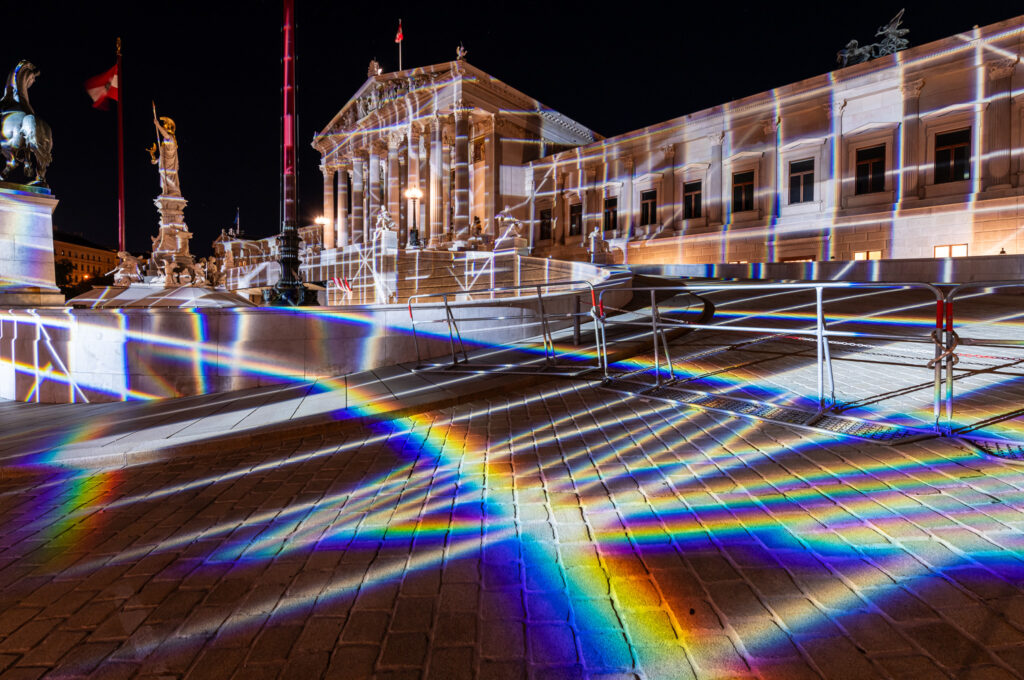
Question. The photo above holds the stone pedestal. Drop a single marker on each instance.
(170, 246)
(26, 248)
(516, 244)
(389, 241)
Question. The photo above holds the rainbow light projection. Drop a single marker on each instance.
(614, 530)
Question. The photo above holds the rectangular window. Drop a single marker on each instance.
(545, 225)
(691, 200)
(575, 219)
(870, 176)
(958, 250)
(648, 208)
(743, 191)
(801, 181)
(952, 156)
(611, 214)
(867, 255)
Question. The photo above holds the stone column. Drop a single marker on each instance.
(997, 147)
(492, 178)
(461, 193)
(715, 199)
(373, 188)
(394, 180)
(669, 219)
(328, 226)
(423, 182)
(627, 194)
(436, 224)
(447, 149)
(833, 157)
(358, 212)
(769, 166)
(593, 210)
(913, 151)
(560, 212)
(344, 220)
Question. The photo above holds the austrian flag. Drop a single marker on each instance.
(103, 88)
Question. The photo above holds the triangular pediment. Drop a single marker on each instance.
(411, 99)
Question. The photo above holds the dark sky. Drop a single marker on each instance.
(215, 68)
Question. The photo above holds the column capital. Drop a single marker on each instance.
(912, 88)
(717, 138)
(395, 139)
(834, 109)
(1001, 68)
(669, 150)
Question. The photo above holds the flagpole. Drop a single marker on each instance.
(120, 151)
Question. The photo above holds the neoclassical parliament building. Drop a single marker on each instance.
(912, 155)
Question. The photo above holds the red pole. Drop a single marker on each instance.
(120, 150)
(290, 216)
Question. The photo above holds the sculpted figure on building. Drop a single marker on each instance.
(25, 140)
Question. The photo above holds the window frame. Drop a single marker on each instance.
(806, 185)
(575, 211)
(541, 219)
(939, 123)
(696, 207)
(753, 191)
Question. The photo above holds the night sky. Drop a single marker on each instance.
(218, 75)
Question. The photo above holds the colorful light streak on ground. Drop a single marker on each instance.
(698, 507)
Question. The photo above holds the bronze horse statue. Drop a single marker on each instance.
(25, 140)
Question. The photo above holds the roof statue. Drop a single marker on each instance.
(892, 41)
(374, 69)
(25, 140)
(460, 53)
(164, 153)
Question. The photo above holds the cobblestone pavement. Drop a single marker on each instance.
(554, 532)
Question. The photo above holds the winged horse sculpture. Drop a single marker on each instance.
(25, 140)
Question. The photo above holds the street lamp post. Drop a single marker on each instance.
(414, 234)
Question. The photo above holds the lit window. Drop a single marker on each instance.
(575, 219)
(957, 250)
(648, 208)
(867, 255)
(870, 170)
(743, 191)
(611, 214)
(801, 181)
(545, 224)
(691, 200)
(952, 156)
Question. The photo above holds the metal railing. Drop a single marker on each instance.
(952, 340)
(541, 293)
(659, 323)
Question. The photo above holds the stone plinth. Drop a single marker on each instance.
(26, 248)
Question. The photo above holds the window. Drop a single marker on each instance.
(958, 250)
(478, 150)
(870, 176)
(611, 214)
(575, 219)
(691, 200)
(801, 181)
(649, 207)
(545, 224)
(867, 255)
(952, 156)
(743, 191)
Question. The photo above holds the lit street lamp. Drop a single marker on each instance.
(414, 233)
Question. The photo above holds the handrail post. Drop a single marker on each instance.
(576, 321)
(654, 341)
(950, 361)
(820, 336)
(940, 342)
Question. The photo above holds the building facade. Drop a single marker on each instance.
(88, 260)
(912, 155)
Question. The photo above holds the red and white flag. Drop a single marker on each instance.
(103, 88)
(398, 36)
